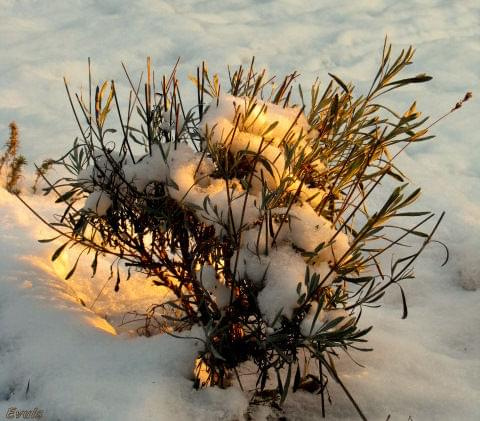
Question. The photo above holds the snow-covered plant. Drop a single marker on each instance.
(251, 210)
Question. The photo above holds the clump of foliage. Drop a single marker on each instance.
(41, 171)
(200, 242)
(12, 163)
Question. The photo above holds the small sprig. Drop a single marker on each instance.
(13, 162)
(456, 107)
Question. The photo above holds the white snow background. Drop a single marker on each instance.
(79, 364)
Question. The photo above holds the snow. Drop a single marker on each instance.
(309, 230)
(241, 124)
(285, 271)
(211, 282)
(98, 202)
(264, 128)
(83, 363)
(71, 355)
(146, 169)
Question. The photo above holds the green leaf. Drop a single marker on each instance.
(72, 271)
(297, 379)
(279, 313)
(299, 288)
(301, 299)
(94, 264)
(64, 197)
(59, 251)
(48, 240)
(286, 385)
(307, 275)
(421, 78)
(340, 82)
(404, 303)
(412, 213)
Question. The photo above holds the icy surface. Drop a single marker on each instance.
(81, 364)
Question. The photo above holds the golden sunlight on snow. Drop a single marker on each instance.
(98, 323)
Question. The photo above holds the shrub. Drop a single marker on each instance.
(252, 212)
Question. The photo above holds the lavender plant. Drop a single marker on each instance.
(251, 209)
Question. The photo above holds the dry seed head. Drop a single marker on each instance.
(15, 173)
(12, 146)
(459, 104)
(13, 140)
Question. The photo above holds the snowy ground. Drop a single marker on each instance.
(79, 364)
